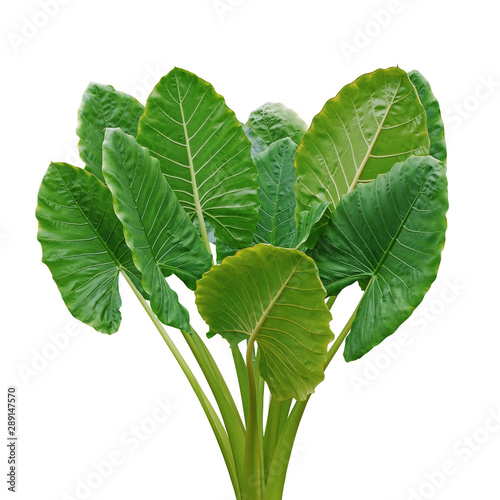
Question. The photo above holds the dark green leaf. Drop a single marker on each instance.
(388, 235)
(162, 238)
(435, 123)
(83, 245)
(102, 106)
(371, 124)
(275, 295)
(204, 155)
(277, 199)
(223, 250)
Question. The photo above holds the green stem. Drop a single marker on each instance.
(241, 372)
(214, 420)
(272, 429)
(276, 419)
(285, 410)
(343, 334)
(331, 300)
(277, 473)
(225, 402)
(279, 466)
(260, 414)
(253, 484)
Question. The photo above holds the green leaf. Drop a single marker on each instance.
(276, 225)
(83, 245)
(277, 199)
(204, 155)
(435, 125)
(311, 223)
(258, 144)
(223, 250)
(102, 106)
(273, 121)
(371, 124)
(276, 295)
(388, 235)
(162, 238)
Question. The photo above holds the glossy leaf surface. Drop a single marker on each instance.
(203, 153)
(389, 235)
(162, 238)
(102, 106)
(276, 295)
(83, 245)
(371, 124)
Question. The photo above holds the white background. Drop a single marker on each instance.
(377, 428)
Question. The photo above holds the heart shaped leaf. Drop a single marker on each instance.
(371, 124)
(389, 235)
(102, 106)
(162, 238)
(204, 155)
(276, 295)
(83, 245)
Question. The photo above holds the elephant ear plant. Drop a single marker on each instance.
(296, 214)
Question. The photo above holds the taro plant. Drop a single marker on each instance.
(296, 214)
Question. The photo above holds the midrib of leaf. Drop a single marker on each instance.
(197, 204)
(141, 218)
(359, 170)
(395, 237)
(94, 230)
(273, 222)
(265, 314)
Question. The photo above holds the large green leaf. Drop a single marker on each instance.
(204, 154)
(162, 238)
(275, 166)
(435, 125)
(273, 121)
(102, 106)
(275, 295)
(388, 234)
(371, 124)
(277, 199)
(83, 245)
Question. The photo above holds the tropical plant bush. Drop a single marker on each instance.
(295, 214)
